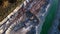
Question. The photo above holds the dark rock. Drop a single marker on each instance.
(12, 1)
(29, 14)
(1, 2)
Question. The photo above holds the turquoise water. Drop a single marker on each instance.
(49, 18)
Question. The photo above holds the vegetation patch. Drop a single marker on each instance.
(7, 6)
